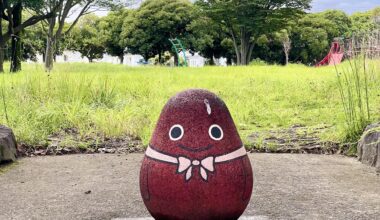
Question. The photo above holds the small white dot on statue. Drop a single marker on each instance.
(208, 107)
(195, 162)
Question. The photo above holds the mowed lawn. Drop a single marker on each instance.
(114, 100)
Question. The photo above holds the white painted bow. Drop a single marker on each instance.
(186, 165)
(205, 165)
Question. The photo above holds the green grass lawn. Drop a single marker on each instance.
(113, 100)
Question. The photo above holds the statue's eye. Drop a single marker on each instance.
(176, 132)
(215, 132)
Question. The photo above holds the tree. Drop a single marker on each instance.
(147, 30)
(10, 12)
(268, 48)
(284, 37)
(246, 20)
(86, 40)
(376, 17)
(341, 20)
(16, 38)
(56, 24)
(110, 28)
(209, 39)
(34, 42)
(364, 22)
(313, 34)
(312, 37)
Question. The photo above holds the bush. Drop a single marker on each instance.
(258, 62)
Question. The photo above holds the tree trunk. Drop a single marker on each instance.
(121, 58)
(211, 61)
(250, 50)
(244, 52)
(176, 60)
(246, 47)
(243, 48)
(286, 58)
(234, 40)
(229, 60)
(287, 46)
(2, 48)
(49, 55)
(16, 40)
(50, 46)
(2, 43)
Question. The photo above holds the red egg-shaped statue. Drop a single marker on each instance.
(196, 166)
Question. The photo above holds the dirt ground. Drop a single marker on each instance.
(105, 186)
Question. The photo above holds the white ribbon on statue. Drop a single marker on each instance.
(186, 165)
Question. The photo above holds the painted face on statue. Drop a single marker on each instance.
(195, 123)
(195, 166)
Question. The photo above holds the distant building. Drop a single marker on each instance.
(71, 57)
(194, 60)
(76, 57)
(133, 60)
(109, 59)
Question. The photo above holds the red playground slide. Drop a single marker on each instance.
(334, 57)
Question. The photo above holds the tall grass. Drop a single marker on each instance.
(356, 79)
(113, 100)
(3, 98)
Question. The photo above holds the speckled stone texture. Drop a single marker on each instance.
(226, 192)
(369, 146)
(7, 145)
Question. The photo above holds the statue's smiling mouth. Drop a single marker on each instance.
(191, 149)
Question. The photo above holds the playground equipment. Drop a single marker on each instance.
(179, 49)
(335, 55)
(366, 44)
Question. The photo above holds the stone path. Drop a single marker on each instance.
(102, 186)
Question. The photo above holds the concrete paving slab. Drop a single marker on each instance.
(102, 186)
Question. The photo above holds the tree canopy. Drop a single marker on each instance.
(86, 38)
(110, 29)
(148, 29)
(276, 31)
(11, 13)
(209, 38)
(247, 20)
